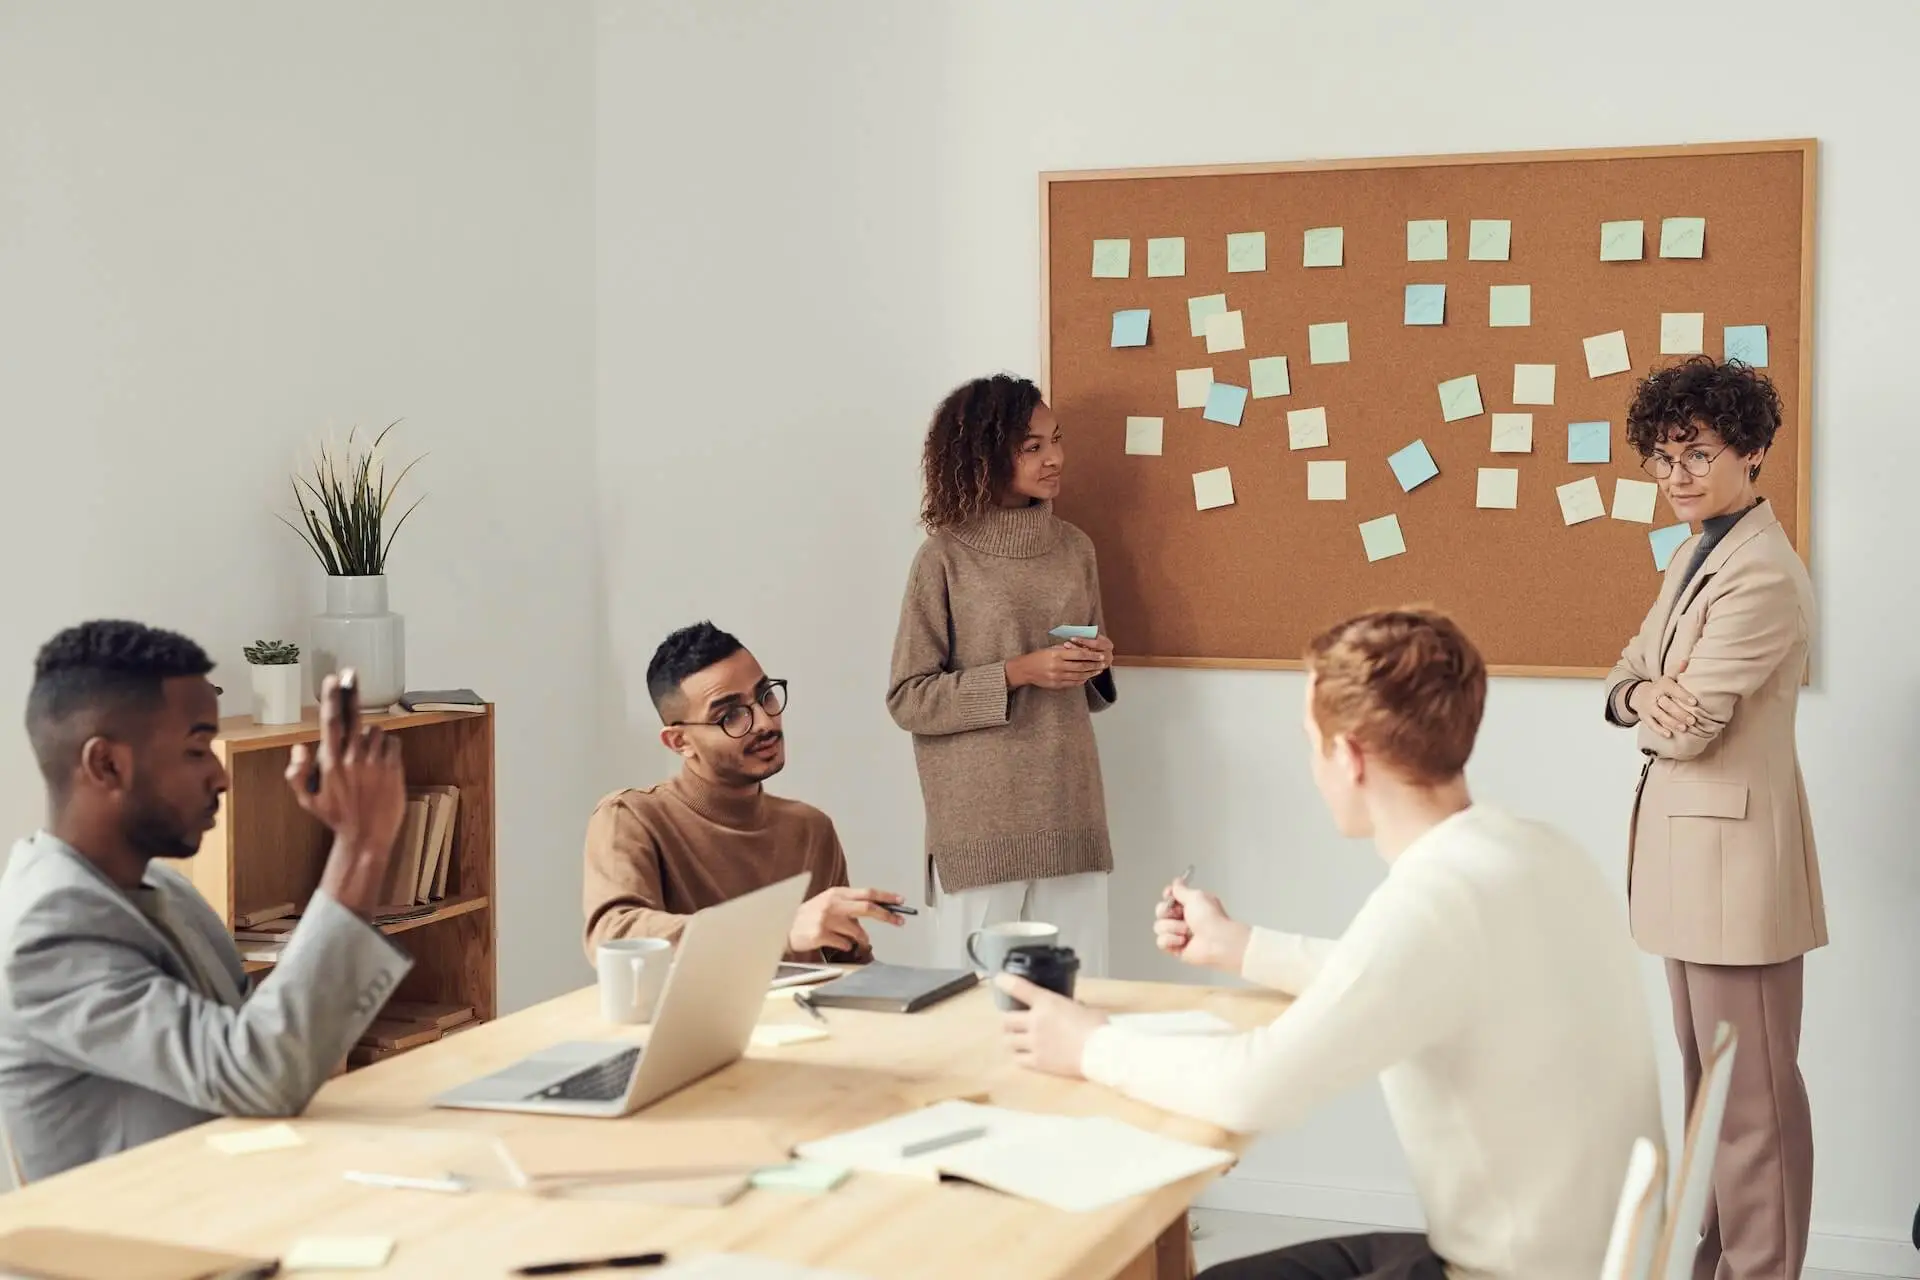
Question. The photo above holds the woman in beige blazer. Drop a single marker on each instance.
(1722, 879)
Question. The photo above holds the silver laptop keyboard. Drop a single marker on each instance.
(602, 1082)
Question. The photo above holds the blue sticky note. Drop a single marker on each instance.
(1225, 403)
(1747, 343)
(1413, 466)
(1667, 541)
(1426, 304)
(1130, 328)
(1589, 442)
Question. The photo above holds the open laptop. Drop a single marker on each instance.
(706, 1014)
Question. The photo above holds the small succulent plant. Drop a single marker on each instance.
(272, 653)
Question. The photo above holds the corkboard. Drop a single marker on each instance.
(1247, 585)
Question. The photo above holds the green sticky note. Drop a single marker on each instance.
(1324, 247)
(1427, 240)
(1327, 343)
(1247, 251)
(1167, 256)
(1489, 239)
(1382, 539)
(1112, 259)
(808, 1176)
(1683, 237)
(1198, 309)
(1622, 241)
(1460, 398)
(1509, 306)
(1269, 375)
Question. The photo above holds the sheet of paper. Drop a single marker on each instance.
(1413, 466)
(1130, 328)
(1327, 343)
(1682, 333)
(1269, 376)
(1607, 353)
(1080, 1163)
(1533, 384)
(1581, 501)
(1667, 541)
(808, 1176)
(338, 1253)
(1191, 386)
(1512, 433)
(1589, 442)
(1112, 259)
(1179, 1022)
(1509, 306)
(1633, 500)
(1489, 239)
(1247, 251)
(1167, 256)
(1683, 237)
(1226, 403)
(1198, 309)
(1144, 435)
(1498, 489)
(1307, 428)
(1326, 482)
(1460, 398)
(249, 1141)
(877, 1146)
(1748, 343)
(1427, 240)
(1382, 539)
(1225, 332)
(1622, 241)
(1212, 489)
(777, 1035)
(1426, 304)
(1324, 247)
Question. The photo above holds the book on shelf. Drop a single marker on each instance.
(403, 873)
(259, 917)
(443, 1016)
(443, 805)
(443, 700)
(395, 1033)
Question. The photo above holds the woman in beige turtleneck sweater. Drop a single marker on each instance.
(998, 709)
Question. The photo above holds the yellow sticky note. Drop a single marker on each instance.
(1682, 333)
(1633, 500)
(1512, 433)
(1327, 343)
(1489, 239)
(1198, 309)
(1499, 488)
(338, 1253)
(777, 1035)
(1167, 256)
(1225, 332)
(1191, 387)
(1581, 501)
(245, 1142)
(1607, 353)
(1307, 428)
(1112, 259)
(1683, 237)
(1326, 482)
(1460, 398)
(1212, 489)
(1247, 251)
(1533, 384)
(1427, 240)
(1324, 247)
(1622, 241)
(1382, 538)
(1144, 435)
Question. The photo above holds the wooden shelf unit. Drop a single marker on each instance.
(264, 849)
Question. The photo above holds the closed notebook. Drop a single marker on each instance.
(891, 988)
(443, 700)
(53, 1253)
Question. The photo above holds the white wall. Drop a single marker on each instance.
(224, 225)
(814, 219)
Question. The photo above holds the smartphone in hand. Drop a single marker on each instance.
(346, 705)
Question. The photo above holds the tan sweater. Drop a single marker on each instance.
(657, 855)
(1011, 778)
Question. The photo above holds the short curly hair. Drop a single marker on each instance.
(968, 459)
(1404, 684)
(1674, 403)
(689, 650)
(90, 678)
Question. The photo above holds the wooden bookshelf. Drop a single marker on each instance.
(264, 849)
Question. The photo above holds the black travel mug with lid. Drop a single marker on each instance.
(1054, 968)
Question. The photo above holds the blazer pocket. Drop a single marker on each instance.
(1706, 800)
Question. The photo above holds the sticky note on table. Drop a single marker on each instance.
(1324, 247)
(1144, 435)
(1683, 237)
(1226, 332)
(257, 1138)
(1307, 428)
(808, 1176)
(1509, 306)
(1747, 343)
(1112, 259)
(1327, 343)
(1499, 488)
(1326, 482)
(1589, 442)
(1269, 377)
(1225, 403)
(338, 1253)
(1667, 541)
(1622, 241)
(1247, 251)
(1633, 500)
(1198, 309)
(1607, 353)
(1533, 384)
(1130, 328)
(1191, 386)
(1212, 489)
(1682, 333)
(1426, 304)
(776, 1035)
(1460, 398)
(1382, 538)
(1512, 433)
(1580, 501)
(1167, 256)
(1489, 239)
(1413, 466)
(1427, 240)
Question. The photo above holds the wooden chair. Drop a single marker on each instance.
(1693, 1175)
(1636, 1225)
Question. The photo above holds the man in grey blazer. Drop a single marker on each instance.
(125, 1013)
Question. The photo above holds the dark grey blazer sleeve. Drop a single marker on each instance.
(97, 1004)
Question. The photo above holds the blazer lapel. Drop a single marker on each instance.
(1749, 527)
(83, 875)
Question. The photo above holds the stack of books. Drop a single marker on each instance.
(408, 1024)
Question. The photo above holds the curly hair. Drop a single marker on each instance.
(1406, 684)
(687, 651)
(1673, 403)
(968, 457)
(89, 678)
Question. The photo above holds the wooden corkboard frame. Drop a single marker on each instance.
(1246, 586)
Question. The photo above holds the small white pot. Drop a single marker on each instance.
(276, 693)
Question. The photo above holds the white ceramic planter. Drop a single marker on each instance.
(358, 631)
(276, 693)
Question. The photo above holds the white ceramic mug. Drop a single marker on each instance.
(632, 973)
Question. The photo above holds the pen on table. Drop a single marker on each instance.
(450, 1183)
(942, 1142)
(592, 1264)
(800, 998)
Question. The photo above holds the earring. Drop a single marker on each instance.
(1753, 472)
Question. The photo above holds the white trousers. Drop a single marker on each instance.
(1075, 905)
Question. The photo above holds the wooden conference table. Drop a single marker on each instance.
(873, 1065)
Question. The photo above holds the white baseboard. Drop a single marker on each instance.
(1399, 1211)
